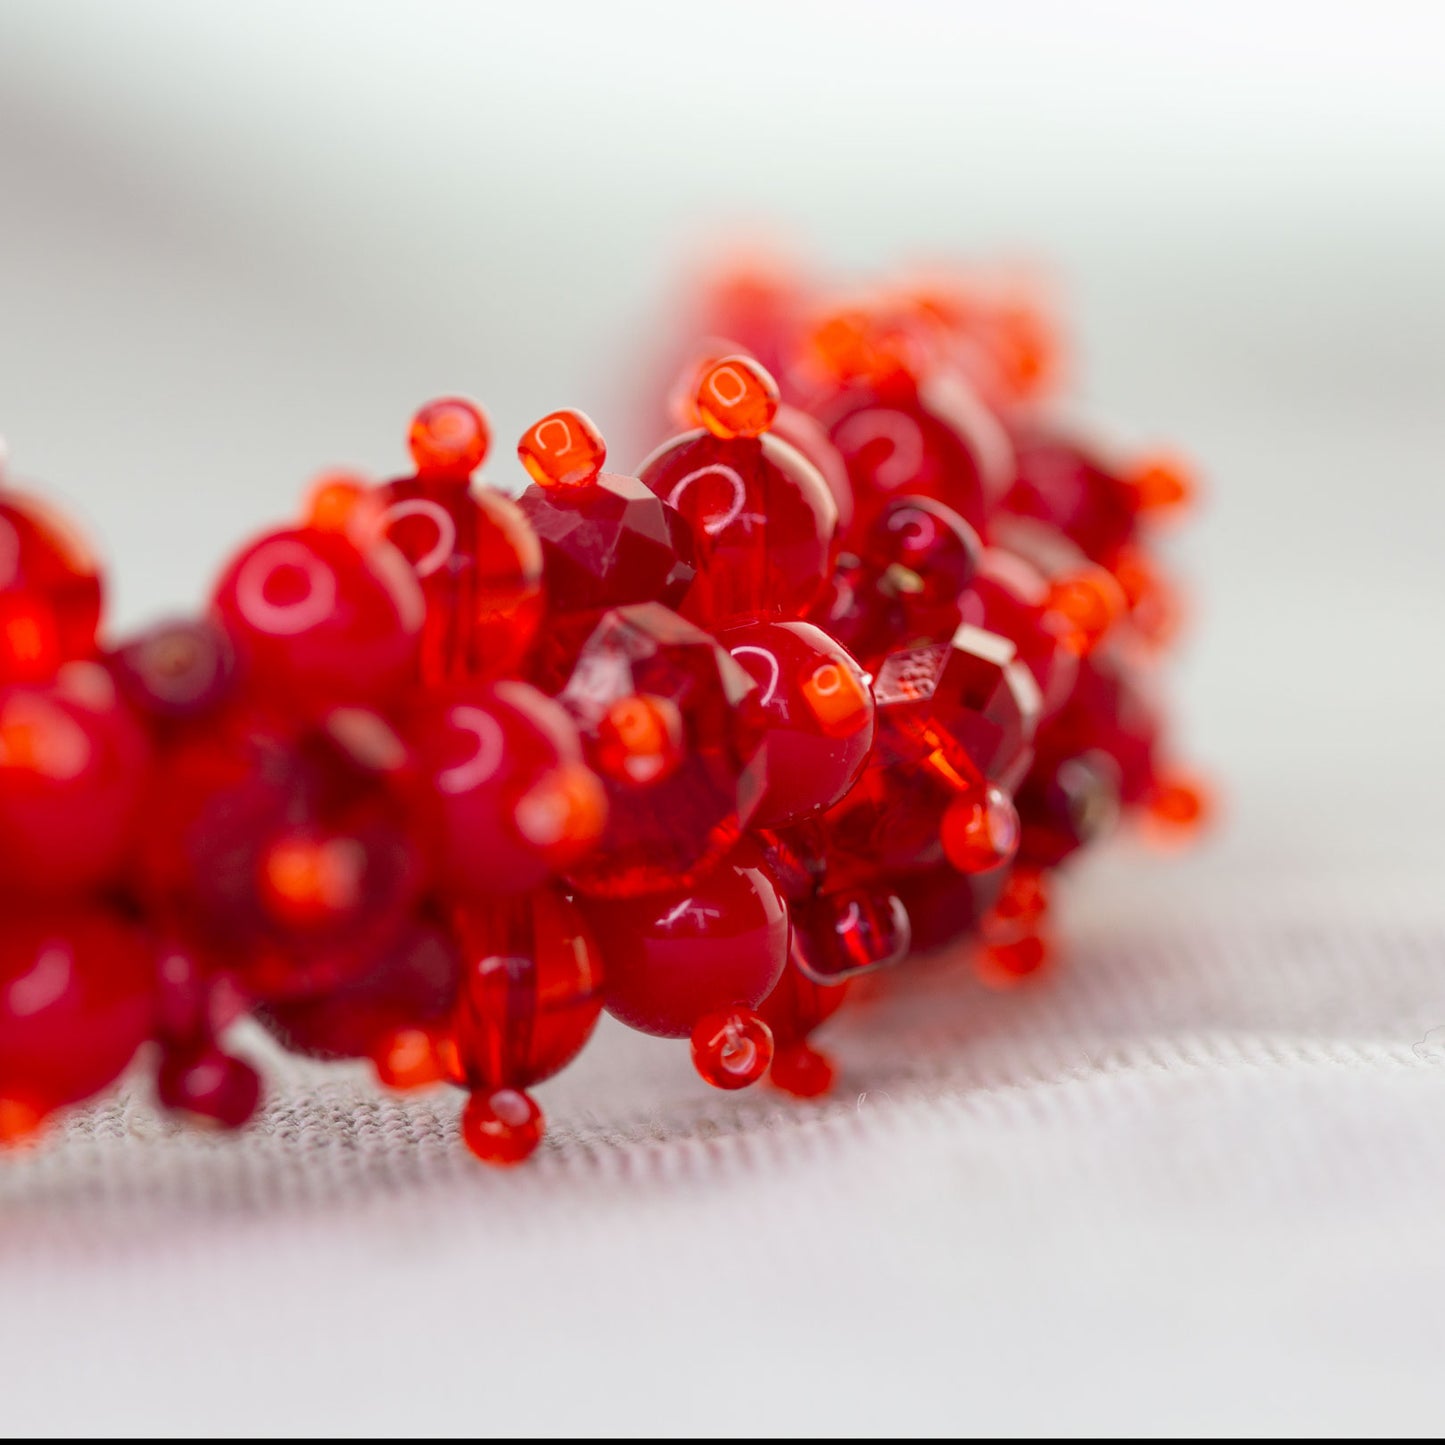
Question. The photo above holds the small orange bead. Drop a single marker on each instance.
(20, 1121)
(641, 739)
(332, 501)
(309, 881)
(407, 1058)
(838, 698)
(564, 449)
(1087, 604)
(449, 438)
(737, 397)
(1179, 807)
(502, 1127)
(1162, 484)
(732, 1048)
(1020, 907)
(563, 813)
(1008, 964)
(869, 343)
(802, 1071)
(1155, 606)
(980, 832)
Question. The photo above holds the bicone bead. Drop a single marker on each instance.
(672, 958)
(842, 935)
(980, 830)
(762, 519)
(506, 791)
(659, 705)
(815, 711)
(75, 769)
(732, 1048)
(479, 567)
(531, 990)
(564, 449)
(318, 619)
(502, 1126)
(449, 438)
(42, 555)
(77, 999)
(736, 397)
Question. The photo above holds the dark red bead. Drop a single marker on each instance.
(944, 905)
(762, 519)
(77, 999)
(531, 992)
(798, 1005)
(673, 957)
(74, 772)
(507, 793)
(815, 712)
(845, 934)
(1108, 711)
(479, 566)
(1063, 482)
(318, 620)
(177, 672)
(42, 556)
(889, 823)
(1066, 803)
(210, 1085)
(658, 702)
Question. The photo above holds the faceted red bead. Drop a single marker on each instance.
(1066, 803)
(815, 712)
(502, 1126)
(943, 904)
(77, 999)
(1061, 481)
(845, 934)
(319, 620)
(732, 1048)
(43, 556)
(507, 794)
(449, 437)
(980, 830)
(564, 449)
(176, 672)
(532, 987)
(211, 1085)
(1108, 712)
(968, 705)
(674, 957)
(74, 773)
(658, 702)
(762, 519)
(479, 565)
(889, 823)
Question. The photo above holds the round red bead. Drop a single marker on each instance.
(502, 1126)
(42, 556)
(449, 438)
(980, 830)
(732, 1048)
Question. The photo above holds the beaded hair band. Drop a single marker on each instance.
(841, 676)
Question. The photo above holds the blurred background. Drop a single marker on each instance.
(240, 243)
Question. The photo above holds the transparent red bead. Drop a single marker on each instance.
(211, 1085)
(762, 519)
(802, 1071)
(1108, 712)
(177, 672)
(980, 830)
(449, 438)
(674, 957)
(1066, 803)
(736, 397)
(732, 1048)
(852, 932)
(659, 704)
(1007, 965)
(564, 449)
(507, 794)
(799, 1005)
(1061, 481)
(805, 434)
(318, 620)
(502, 1126)
(531, 991)
(945, 905)
(479, 566)
(42, 555)
(815, 711)
(889, 823)
(74, 773)
(77, 999)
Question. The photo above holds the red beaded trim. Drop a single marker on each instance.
(441, 773)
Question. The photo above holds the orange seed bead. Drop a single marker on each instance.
(407, 1059)
(1162, 484)
(1089, 603)
(564, 449)
(1179, 807)
(449, 438)
(1007, 965)
(737, 397)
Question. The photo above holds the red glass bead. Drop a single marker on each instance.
(1156, 609)
(210, 1085)
(762, 519)
(852, 932)
(508, 794)
(532, 988)
(732, 1048)
(320, 620)
(74, 773)
(410, 1058)
(1179, 806)
(923, 551)
(502, 1126)
(890, 821)
(331, 504)
(1161, 484)
(658, 702)
(1021, 907)
(969, 705)
(77, 999)
(1088, 603)
(674, 957)
(30, 648)
(798, 1005)
(479, 565)
(1007, 965)
(980, 830)
(944, 905)
(1108, 712)
(1066, 803)
(564, 449)
(815, 712)
(870, 341)
(1064, 483)
(806, 435)
(736, 397)
(41, 554)
(802, 1071)
(176, 672)
(449, 438)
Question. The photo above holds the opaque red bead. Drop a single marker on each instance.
(74, 774)
(43, 555)
(77, 999)
(658, 701)
(507, 792)
(762, 519)
(815, 711)
(320, 620)
(732, 1048)
(479, 566)
(673, 957)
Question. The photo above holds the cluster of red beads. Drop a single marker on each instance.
(440, 773)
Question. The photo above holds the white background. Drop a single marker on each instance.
(240, 242)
